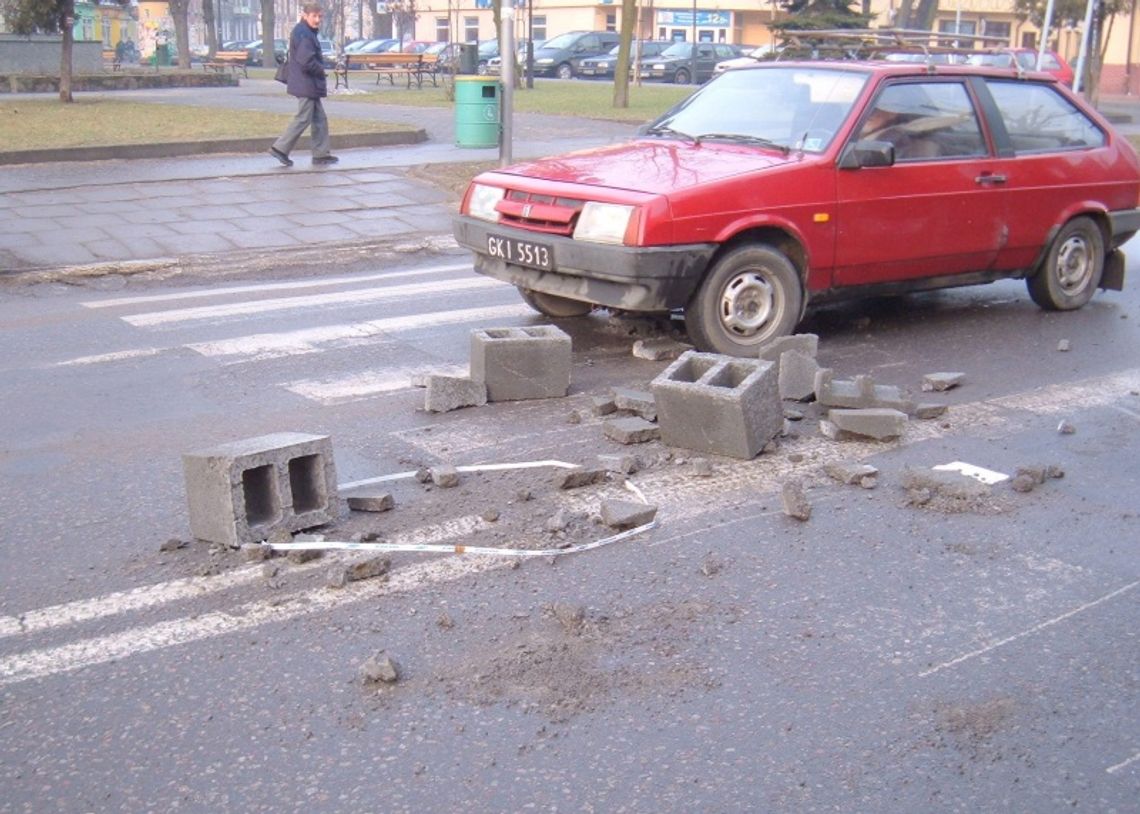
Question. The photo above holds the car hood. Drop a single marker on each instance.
(653, 166)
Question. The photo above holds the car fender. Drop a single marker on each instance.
(766, 226)
(1089, 209)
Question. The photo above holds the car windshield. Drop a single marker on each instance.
(562, 41)
(678, 49)
(785, 107)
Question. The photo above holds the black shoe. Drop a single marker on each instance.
(280, 156)
(325, 159)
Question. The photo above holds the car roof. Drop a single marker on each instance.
(903, 69)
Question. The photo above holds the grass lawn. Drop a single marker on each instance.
(34, 124)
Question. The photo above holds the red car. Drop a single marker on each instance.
(787, 184)
(1052, 63)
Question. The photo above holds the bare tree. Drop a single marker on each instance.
(268, 36)
(621, 72)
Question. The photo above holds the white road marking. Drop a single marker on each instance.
(368, 383)
(1123, 764)
(116, 356)
(355, 296)
(1028, 632)
(315, 282)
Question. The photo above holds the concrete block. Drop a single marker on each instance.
(941, 381)
(794, 501)
(626, 514)
(850, 473)
(452, 392)
(807, 344)
(632, 430)
(370, 501)
(243, 491)
(928, 409)
(603, 405)
(636, 401)
(860, 392)
(659, 350)
(879, 423)
(574, 478)
(797, 375)
(719, 404)
(622, 464)
(445, 476)
(521, 363)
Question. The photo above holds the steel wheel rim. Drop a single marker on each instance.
(1074, 265)
(747, 305)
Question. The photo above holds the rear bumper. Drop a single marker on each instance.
(1124, 222)
(622, 277)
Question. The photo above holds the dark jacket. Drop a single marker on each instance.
(306, 69)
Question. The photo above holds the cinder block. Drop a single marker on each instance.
(797, 375)
(861, 392)
(446, 393)
(521, 363)
(243, 491)
(807, 344)
(718, 404)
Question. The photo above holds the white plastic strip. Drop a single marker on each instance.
(471, 468)
(986, 476)
(459, 549)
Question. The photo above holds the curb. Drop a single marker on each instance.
(175, 149)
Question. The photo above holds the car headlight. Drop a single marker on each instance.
(543, 61)
(481, 202)
(658, 66)
(604, 222)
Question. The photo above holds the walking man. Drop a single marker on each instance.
(305, 70)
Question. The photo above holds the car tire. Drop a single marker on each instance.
(1071, 271)
(565, 71)
(552, 305)
(752, 295)
(681, 77)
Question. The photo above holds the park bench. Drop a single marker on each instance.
(413, 67)
(234, 60)
(110, 58)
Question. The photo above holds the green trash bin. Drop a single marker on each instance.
(476, 111)
(162, 54)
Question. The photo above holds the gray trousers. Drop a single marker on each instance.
(310, 113)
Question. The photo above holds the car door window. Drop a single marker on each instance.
(1039, 119)
(925, 121)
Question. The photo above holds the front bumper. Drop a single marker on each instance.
(629, 278)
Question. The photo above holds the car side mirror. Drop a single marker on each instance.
(867, 153)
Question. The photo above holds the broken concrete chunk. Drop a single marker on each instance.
(797, 375)
(603, 405)
(1066, 427)
(1063, 345)
(626, 514)
(624, 464)
(946, 483)
(806, 344)
(702, 467)
(941, 381)
(571, 617)
(490, 515)
(859, 392)
(574, 478)
(173, 544)
(371, 501)
(850, 473)
(304, 555)
(423, 475)
(636, 401)
(255, 552)
(380, 668)
(1023, 483)
(928, 409)
(880, 423)
(445, 476)
(1054, 471)
(557, 521)
(342, 574)
(1038, 473)
(659, 350)
(446, 393)
(632, 430)
(794, 500)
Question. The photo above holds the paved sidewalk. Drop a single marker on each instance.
(72, 218)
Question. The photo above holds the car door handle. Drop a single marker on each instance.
(990, 178)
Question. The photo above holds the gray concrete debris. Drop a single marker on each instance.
(869, 482)
(797, 376)
(445, 476)
(928, 410)
(659, 350)
(859, 392)
(1037, 473)
(173, 544)
(531, 362)
(632, 430)
(948, 484)
(1063, 345)
(370, 501)
(794, 500)
(342, 574)
(444, 621)
(1066, 427)
(574, 478)
(304, 555)
(941, 381)
(557, 521)
(490, 515)
(1023, 483)
(380, 668)
(623, 464)
(793, 415)
(603, 405)
(702, 467)
(710, 565)
(423, 475)
(446, 393)
(807, 344)
(572, 617)
(626, 514)
(850, 473)
(255, 552)
(879, 423)
(640, 402)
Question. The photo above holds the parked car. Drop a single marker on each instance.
(750, 57)
(253, 51)
(675, 63)
(561, 55)
(1051, 62)
(787, 184)
(415, 46)
(604, 65)
(495, 63)
(487, 50)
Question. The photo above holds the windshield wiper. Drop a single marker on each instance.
(665, 130)
(741, 138)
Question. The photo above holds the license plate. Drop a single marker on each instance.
(521, 252)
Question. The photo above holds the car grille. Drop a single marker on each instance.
(539, 213)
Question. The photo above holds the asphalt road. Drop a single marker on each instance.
(882, 656)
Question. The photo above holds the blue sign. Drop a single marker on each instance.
(684, 17)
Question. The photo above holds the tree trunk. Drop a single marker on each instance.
(67, 29)
(268, 37)
(923, 17)
(621, 70)
(902, 19)
(211, 27)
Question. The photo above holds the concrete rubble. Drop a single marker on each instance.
(939, 382)
(446, 393)
(659, 350)
(521, 363)
(794, 500)
(638, 402)
(850, 473)
(881, 424)
(626, 514)
(445, 476)
(861, 392)
(380, 669)
(343, 573)
(631, 430)
(575, 478)
(370, 501)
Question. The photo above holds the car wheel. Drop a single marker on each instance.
(681, 77)
(552, 305)
(565, 71)
(1070, 273)
(752, 295)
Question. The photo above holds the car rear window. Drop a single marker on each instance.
(1039, 119)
